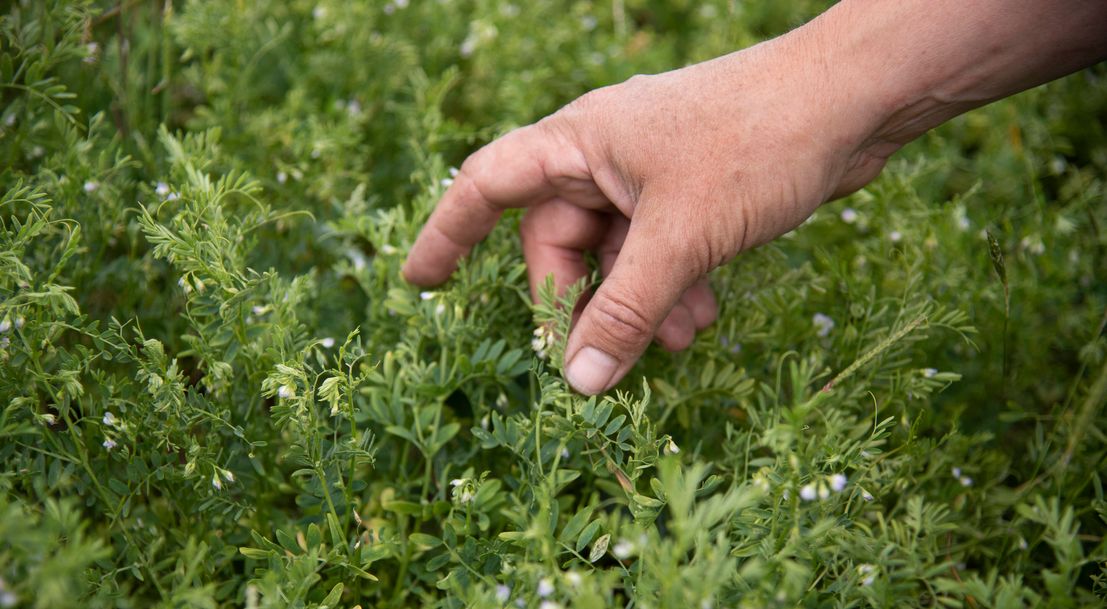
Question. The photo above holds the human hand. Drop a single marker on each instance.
(666, 177)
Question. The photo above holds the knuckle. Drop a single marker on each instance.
(619, 324)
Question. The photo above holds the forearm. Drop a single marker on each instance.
(909, 65)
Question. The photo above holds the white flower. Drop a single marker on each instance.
(353, 107)
(808, 492)
(388, 249)
(549, 605)
(172, 196)
(963, 223)
(319, 12)
(623, 549)
(447, 182)
(672, 448)
(284, 392)
(823, 492)
(838, 482)
(162, 189)
(327, 342)
(1033, 245)
(91, 186)
(228, 475)
(49, 419)
(184, 285)
(565, 454)
(573, 578)
(93, 50)
(109, 444)
(867, 573)
(849, 216)
(823, 322)
(453, 172)
(965, 481)
(357, 258)
(866, 495)
(1022, 544)
(400, 3)
(259, 310)
(8, 598)
(956, 471)
(282, 177)
(463, 490)
(545, 587)
(588, 22)
(216, 482)
(109, 419)
(440, 309)
(5, 325)
(895, 236)
(426, 295)
(503, 593)
(930, 372)
(468, 46)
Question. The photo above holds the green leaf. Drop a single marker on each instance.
(575, 525)
(587, 534)
(600, 548)
(333, 597)
(426, 541)
(255, 553)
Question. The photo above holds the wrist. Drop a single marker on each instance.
(910, 65)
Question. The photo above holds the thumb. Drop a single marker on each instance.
(650, 274)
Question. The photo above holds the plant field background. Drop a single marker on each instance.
(217, 391)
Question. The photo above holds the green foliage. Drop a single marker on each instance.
(218, 391)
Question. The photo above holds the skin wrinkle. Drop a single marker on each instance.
(619, 321)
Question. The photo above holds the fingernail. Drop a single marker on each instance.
(591, 370)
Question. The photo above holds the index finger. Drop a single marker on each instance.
(509, 172)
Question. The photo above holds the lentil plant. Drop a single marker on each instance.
(217, 390)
